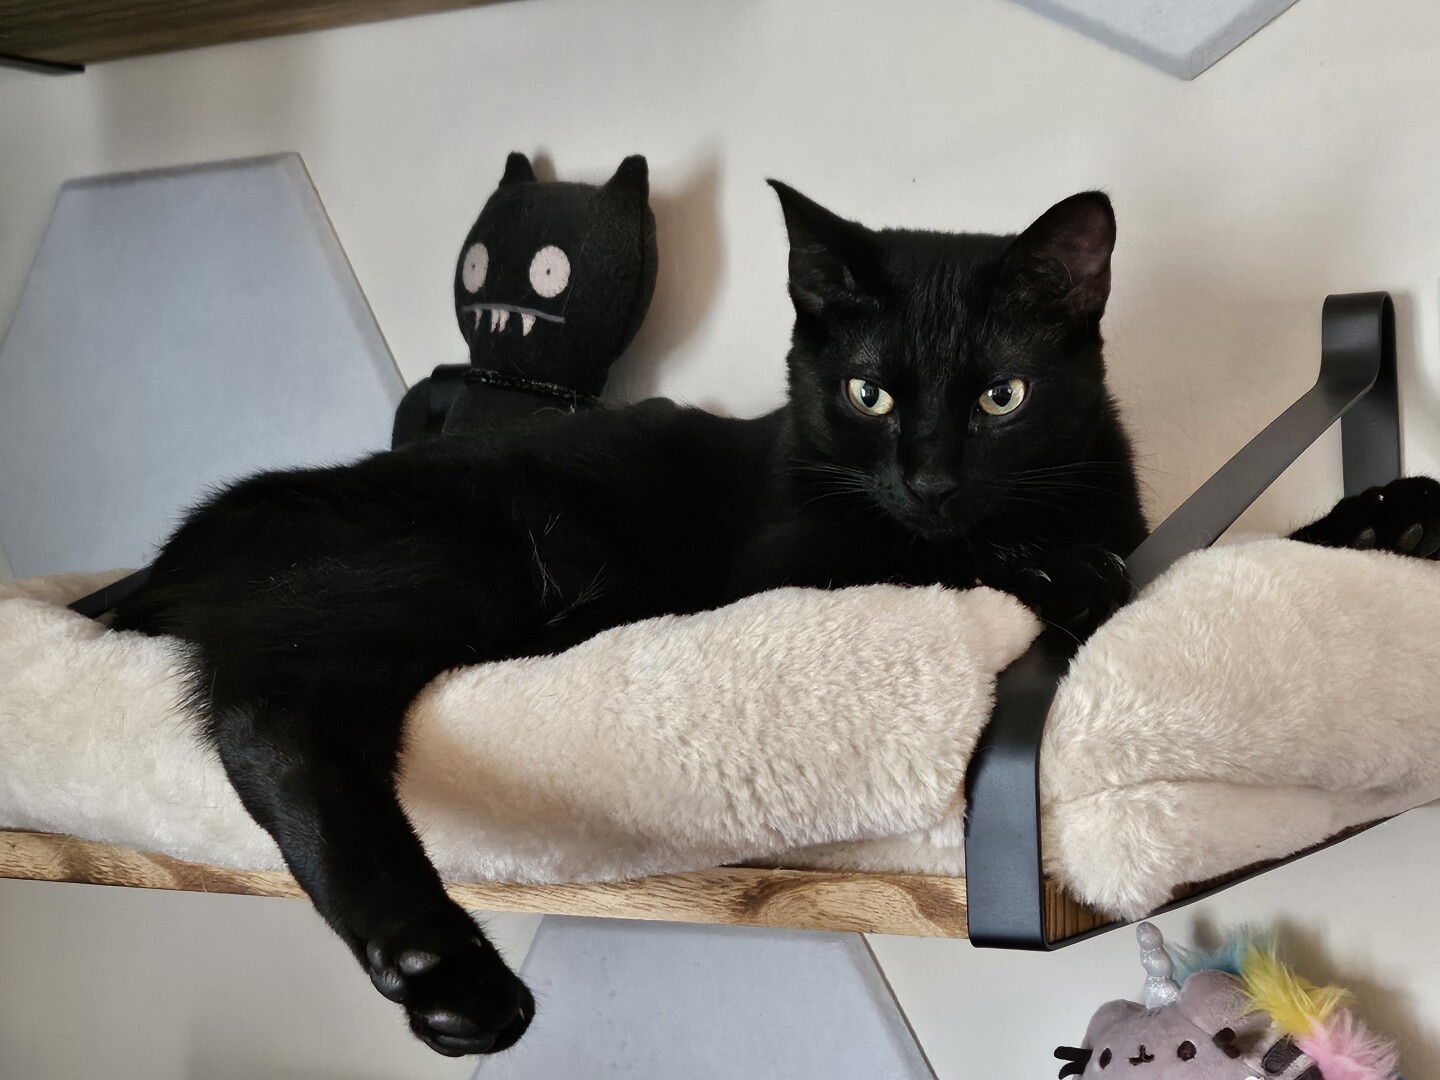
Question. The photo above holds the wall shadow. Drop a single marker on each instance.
(688, 234)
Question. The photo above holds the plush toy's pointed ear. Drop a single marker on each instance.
(1064, 258)
(833, 262)
(631, 179)
(517, 170)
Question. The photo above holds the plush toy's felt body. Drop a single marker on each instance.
(1240, 1015)
(551, 285)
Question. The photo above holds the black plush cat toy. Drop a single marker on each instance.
(551, 285)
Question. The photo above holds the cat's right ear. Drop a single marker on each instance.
(832, 261)
(517, 170)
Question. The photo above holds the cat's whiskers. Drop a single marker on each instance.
(838, 493)
(1067, 487)
(589, 593)
(547, 581)
(825, 468)
(1053, 502)
(1019, 550)
(1073, 467)
(829, 481)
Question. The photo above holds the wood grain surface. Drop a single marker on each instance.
(916, 905)
(87, 31)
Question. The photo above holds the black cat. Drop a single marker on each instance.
(948, 422)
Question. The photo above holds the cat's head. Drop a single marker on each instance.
(947, 377)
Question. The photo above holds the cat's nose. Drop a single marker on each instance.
(931, 488)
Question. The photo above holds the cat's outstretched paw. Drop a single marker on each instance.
(1403, 516)
(459, 995)
(1076, 589)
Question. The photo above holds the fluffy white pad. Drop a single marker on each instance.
(789, 719)
(1255, 701)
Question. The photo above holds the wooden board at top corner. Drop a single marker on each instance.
(89, 31)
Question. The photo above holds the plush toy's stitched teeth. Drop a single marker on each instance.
(504, 319)
(527, 323)
(494, 319)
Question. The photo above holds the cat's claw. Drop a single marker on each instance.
(459, 996)
(1076, 589)
(1402, 517)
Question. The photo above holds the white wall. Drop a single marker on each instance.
(1303, 164)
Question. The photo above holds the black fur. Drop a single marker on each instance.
(319, 602)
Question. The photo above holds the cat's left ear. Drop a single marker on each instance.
(1064, 258)
(833, 262)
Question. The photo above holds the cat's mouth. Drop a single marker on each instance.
(500, 317)
(943, 522)
(919, 521)
(933, 526)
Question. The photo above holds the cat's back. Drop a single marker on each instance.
(643, 487)
(655, 449)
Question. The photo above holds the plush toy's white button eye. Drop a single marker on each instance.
(549, 271)
(477, 265)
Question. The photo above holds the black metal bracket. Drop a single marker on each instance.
(97, 603)
(1003, 862)
(1360, 328)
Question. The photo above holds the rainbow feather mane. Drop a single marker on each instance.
(1315, 1017)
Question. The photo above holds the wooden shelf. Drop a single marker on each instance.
(915, 905)
(88, 31)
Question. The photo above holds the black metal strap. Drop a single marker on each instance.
(1361, 327)
(1003, 861)
(1357, 345)
(1004, 879)
(110, 597)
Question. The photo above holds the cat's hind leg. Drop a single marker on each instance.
(318, 775)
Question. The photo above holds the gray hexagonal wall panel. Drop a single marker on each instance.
(178, 328)
(1183, 37)
(656, 1001)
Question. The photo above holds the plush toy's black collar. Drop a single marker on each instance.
(572, 398)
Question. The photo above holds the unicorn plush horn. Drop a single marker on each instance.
(1160, 986)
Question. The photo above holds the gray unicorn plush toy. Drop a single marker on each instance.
(1241, 1015)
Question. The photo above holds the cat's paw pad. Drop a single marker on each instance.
(1403, 517)
(459, 995)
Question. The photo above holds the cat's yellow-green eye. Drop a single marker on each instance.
(1003, 397)
(868, 397)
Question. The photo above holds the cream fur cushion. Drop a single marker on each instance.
(1256, 700)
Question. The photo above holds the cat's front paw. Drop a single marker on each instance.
(1076, 589)
(459, 995)
(1403, 516)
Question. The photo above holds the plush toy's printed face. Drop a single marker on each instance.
(549, 277)
(1209, 1033)
(554, 277)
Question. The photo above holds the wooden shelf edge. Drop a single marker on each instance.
(914, 905)
(88, 31)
